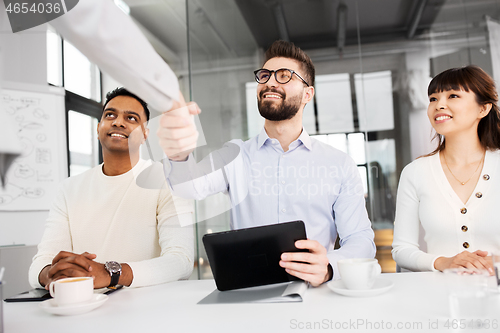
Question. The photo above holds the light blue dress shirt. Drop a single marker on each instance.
(312, 182)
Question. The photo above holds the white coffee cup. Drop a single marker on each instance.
(359, 274)
(72, 290)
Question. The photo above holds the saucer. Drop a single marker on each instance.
(51, 306)
(380, 287)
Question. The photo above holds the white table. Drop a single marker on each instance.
(417, 303)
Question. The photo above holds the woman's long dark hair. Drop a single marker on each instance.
(471, 78)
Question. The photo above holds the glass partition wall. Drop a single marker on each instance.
(373, 59)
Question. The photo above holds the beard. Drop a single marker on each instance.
(278, 110)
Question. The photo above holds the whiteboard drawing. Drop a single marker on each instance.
(33, 179)
(41, 137)
(27, 146)
(23, 171)
(15, 104)
(43, 156)
(39, 113)
(44, 177)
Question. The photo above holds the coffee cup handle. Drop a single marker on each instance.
(51, 289)
(377, 270)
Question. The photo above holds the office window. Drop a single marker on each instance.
(374, 101)
(80, 75)
(54, 58)
(84, 150)
(353, 144)
(67, 67)
(83, 144)
(356, 147)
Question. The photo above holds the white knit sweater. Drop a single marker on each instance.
(118, 220)
(425, 196)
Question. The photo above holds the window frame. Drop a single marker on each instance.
(88, 107)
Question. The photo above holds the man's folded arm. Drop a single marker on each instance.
(177, 254)
(56, 237)
(176, 240)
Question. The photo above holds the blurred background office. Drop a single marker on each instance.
(373, 62)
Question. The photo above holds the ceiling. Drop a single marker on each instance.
(236, 28)
(317, 23)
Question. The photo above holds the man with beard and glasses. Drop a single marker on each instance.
(282, 174)
(108, 222)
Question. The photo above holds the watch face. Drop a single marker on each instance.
(113, 266)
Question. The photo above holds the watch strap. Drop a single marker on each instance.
(115, 277)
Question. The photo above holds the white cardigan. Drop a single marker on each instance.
(425, 196)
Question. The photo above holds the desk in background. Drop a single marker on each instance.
(17, 261)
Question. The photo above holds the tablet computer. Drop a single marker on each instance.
(34, 295)
(250, 257)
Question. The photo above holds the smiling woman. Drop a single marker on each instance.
(471, 88)
(444, 191)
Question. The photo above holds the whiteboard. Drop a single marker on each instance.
(38, 120)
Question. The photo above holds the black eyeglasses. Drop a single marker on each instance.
(282, 75)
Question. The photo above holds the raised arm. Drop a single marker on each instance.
(110, 39)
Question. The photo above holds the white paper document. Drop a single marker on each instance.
(293, 293)
(275, 293)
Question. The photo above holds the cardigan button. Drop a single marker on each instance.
(464, 228)
(463, 210)
(486, 177)
(465, 245)
(479, 195)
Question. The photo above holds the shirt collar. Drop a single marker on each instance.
(303, 137)
(263, 137)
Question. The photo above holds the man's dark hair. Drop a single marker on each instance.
(120, 91)
(284, 49)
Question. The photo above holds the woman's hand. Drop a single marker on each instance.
(466, 259)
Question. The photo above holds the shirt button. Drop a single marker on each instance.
(464, 228)
(283, 210)
(463, 210)
(465, 245)
(486, 177)
(282, 182)
(479, 195)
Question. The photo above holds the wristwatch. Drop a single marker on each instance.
(115, 270)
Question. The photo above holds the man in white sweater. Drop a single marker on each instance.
(108, 222)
